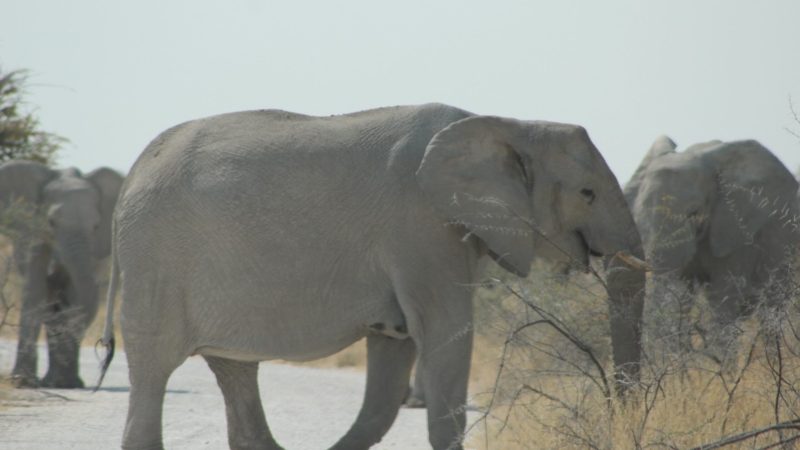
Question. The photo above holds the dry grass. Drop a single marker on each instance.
(539, 391)
(683, 410)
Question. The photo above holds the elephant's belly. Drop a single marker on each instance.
(267, 351)
(256, 297)
(294, 324)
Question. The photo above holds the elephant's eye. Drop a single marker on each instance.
(588, 194)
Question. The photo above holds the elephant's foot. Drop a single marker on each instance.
(156, 446)
(414, 403)
(62, 382)
(415, 398)
(25, 381)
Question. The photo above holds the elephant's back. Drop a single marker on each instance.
(273, 149)
(256, 139)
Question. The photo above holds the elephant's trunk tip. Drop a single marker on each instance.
(109, 345)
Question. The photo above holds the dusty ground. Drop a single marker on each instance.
(306, 407)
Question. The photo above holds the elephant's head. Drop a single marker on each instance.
(713, 196)
(77, 208)
(668, 195)
(516, 184)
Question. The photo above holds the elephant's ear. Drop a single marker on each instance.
(753, 188)
(661, 146)
(472, 173)
(24, 180)
(108, 183)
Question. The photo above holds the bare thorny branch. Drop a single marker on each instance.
(737, 381)
(778, 427)
(557, 325)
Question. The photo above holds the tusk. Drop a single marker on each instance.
(632, 261)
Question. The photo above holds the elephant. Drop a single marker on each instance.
(268, 234)
(718, 218)
(58, 262)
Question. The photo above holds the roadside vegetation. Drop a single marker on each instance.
(21, 137)
(546, 381)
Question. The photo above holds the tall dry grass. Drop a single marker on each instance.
(544, 374)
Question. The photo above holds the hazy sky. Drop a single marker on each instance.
(111, 75)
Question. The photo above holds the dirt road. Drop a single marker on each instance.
(307, 408)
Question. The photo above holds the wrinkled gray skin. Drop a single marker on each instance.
(266, 234)
(59, 288)
(718, 217)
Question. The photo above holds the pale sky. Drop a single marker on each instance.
(111, 75)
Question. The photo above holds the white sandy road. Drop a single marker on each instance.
(307, 408)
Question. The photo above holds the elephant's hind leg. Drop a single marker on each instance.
(149, 372)
(389, 364)
(247, 425)
(416, 398)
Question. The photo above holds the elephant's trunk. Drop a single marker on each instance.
(618, 239)
(625, 281)
(75, 254)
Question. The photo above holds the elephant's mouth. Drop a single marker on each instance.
(586, 251)
(589, 250)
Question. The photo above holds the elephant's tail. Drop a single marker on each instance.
(107, 340)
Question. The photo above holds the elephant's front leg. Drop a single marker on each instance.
(389, 363)
(34, 292)
(64, 333)
(725, 297)
(439, 317)
(445, 361)
(71, 310)
(247, 425)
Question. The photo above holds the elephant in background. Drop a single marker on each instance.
(259, 235)
(721, 218)
(57, 261)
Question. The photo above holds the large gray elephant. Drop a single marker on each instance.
(58, 265)
(721, 218)
(267, 234)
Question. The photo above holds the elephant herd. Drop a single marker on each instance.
(265, 235)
